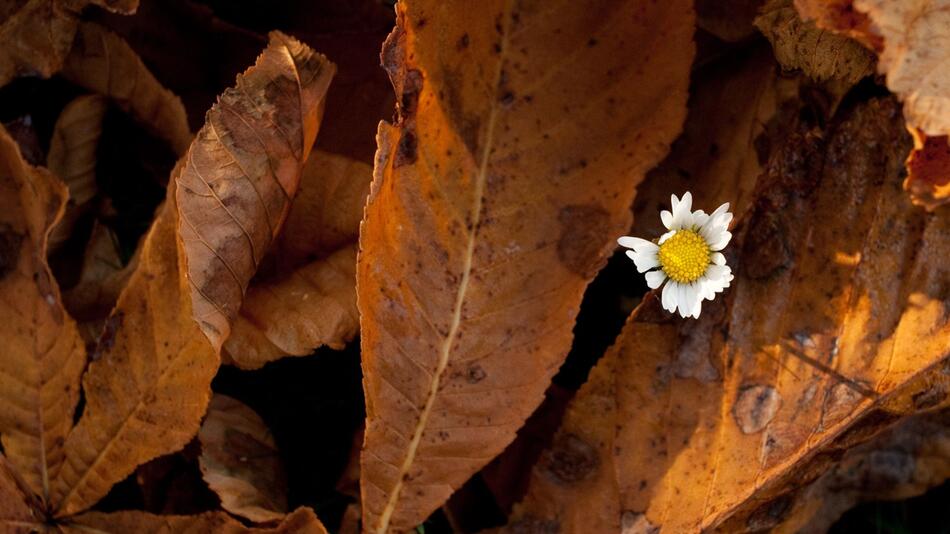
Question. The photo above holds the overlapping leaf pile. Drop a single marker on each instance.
(465, 263)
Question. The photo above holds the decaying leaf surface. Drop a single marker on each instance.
(149, 382)
(242, 172)
(716, 156)
(928, 170)
(903, 462)
(36, 36)
(820, 54)
(724, 417)
(729, 20)
(240, 462)
(43, 355)
(301, 521)
(496, 198)
(309, 298)
(72, 158)
(101, 278)
(102, 62)
(15, 514)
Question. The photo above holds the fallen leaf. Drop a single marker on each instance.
(240, 461)
(124, 7)
(16, 515)
(497, 196)
(820, 54)
(36, 36)
(43, 355)
(928, 170)
(902, 462)
(101, 279)
(104, 63)
(149, 382)
(308, 299)
(72, 158)
(301, 521)
(242, 173)
(689, 425)
(716, 157)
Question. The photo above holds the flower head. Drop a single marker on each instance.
(688, 254)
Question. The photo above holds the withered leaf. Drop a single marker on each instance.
(820, 54)
(729, 20)
(149, 382)
(496, 197)
(242, 173)
(723, 418)
(301, 521)
(309, 297)
(928, 170)
(903, 462)
(72, 158)
(716, 156)
(36, 36)
(240, 462)
(15, 514)
(104, 63)
(43, 355)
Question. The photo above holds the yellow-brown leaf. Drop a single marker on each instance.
(43, 355)
(149, 383)
(928, 170)
(103, 62)
(723, 418)
(36, 36)
(497, 196)
(240, 461)
(16, 515)
(242, 173)
(72, 158)
(301, 521)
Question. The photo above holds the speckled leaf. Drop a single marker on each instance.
(36, 36)
(242, 173)
(43, 355)
(149, 382)
(928, 170)
(718, 421)
(16, 515)
(497, 196)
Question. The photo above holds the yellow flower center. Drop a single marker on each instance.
(684, 257)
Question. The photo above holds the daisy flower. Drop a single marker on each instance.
(688, 254)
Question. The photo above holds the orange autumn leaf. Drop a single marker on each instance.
(43, 355)
(719, 422)
(240, 461)
(103, 62)
(242, 172)
(928, 170)
(301, 521)
(307, 298)
(497, 196)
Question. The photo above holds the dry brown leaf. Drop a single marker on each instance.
(928, 170)
(43, 355)
(716, 156)
(687, 424)
(15, 514)
(124, 7)
(72, 158)
(36, 36)
(101, 278)
(240, 462)
(149, 382)
(309, 300)
(104, 63)
(301, 521)
(242, 173)
(901, 463)
(496, 198)
(820, 54)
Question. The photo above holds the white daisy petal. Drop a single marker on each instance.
(667, 219)
(655, 278)
(666, 236)
(636, 243)
(717, 258)
(721, 242)
(697, 307)
(716, 272)
(667, 298)
(643, 260)
(684, 299)
(699, 219)
(682, 214)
